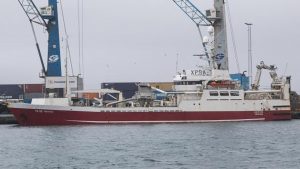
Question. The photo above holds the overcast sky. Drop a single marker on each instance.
(138, 40)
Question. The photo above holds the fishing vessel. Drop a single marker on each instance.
(213, 100)
(204, 94)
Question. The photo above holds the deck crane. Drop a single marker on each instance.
(216, 18)
(48, 18)
(260, 67)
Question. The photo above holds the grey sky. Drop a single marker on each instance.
(137, 40)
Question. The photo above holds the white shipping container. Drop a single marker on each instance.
(60, 82)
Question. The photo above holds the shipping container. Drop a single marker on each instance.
(165, 86)
(13, 91)
(57, 84)
(242, 79)
(90, 95)
(33, 95)
(34, 88)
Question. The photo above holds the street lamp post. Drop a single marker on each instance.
(249, 25)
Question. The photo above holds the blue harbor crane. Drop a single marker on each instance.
(48, 18)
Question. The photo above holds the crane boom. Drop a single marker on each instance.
(193, 12)
(33, 15)
(32, 12)
(197, 17)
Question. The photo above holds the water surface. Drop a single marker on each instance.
(173, 146)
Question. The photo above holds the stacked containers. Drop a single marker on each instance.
(11, 91)
(33, 91)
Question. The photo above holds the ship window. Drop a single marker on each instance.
(195, 82)
(213, 93)
(218, 14)
(208, 13)
(224, 93)
(234, 93)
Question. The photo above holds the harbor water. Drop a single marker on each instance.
(182, 146)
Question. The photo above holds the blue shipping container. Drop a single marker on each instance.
(11, 92)
(242, 79)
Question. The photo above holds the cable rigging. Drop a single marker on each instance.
(232, 36)
(68, 52)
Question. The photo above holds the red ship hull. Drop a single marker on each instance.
(32, 117)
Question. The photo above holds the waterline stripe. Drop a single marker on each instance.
(183, 121)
